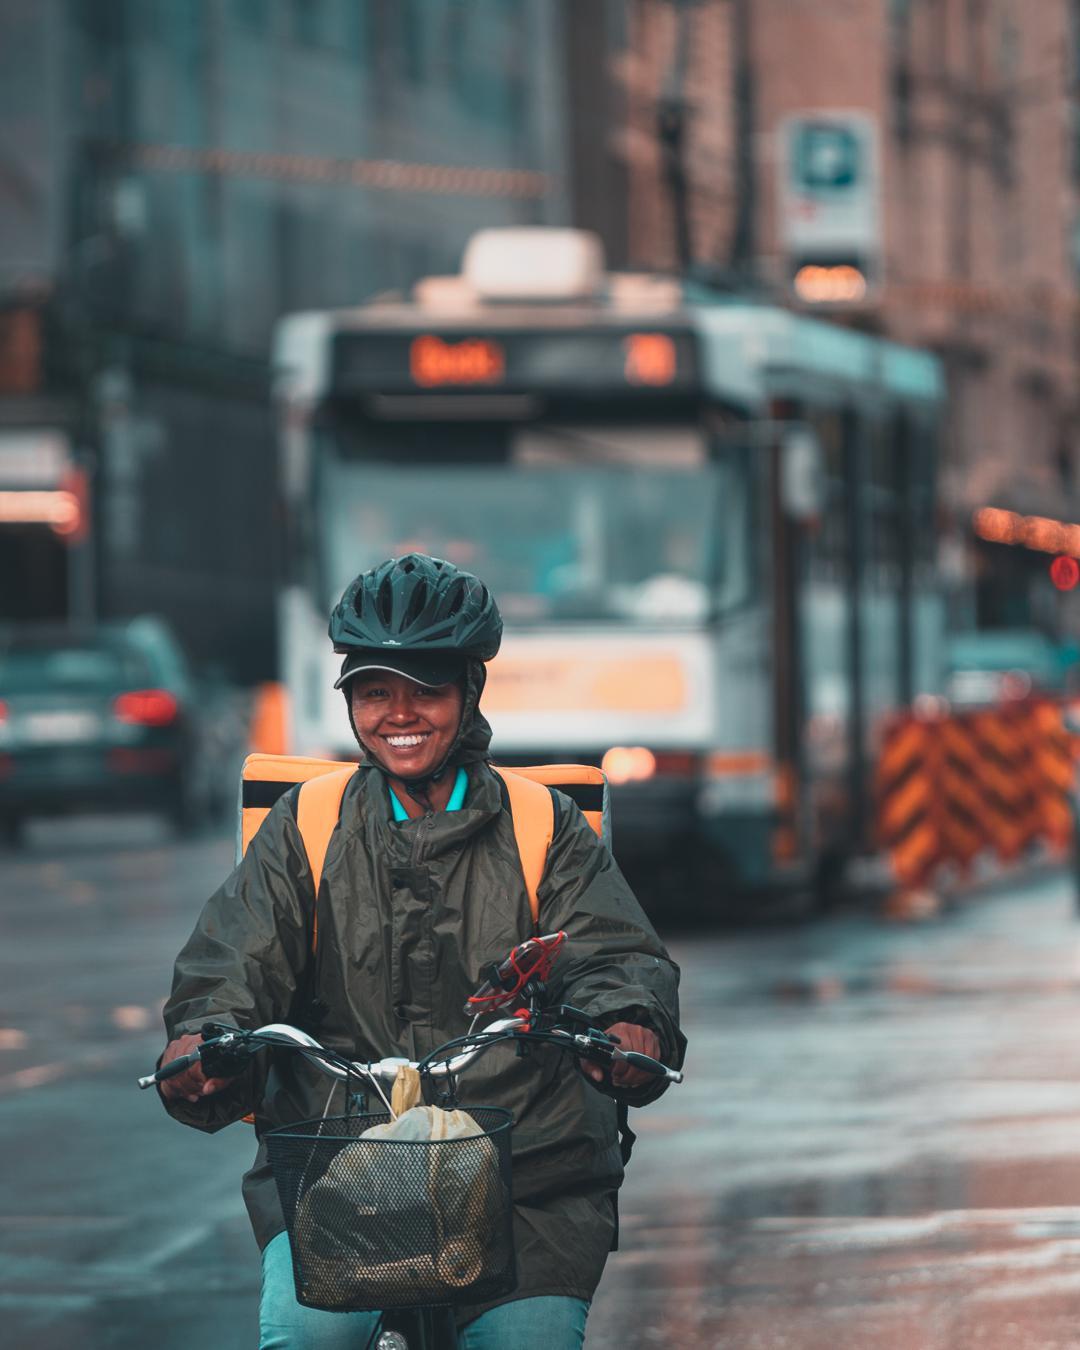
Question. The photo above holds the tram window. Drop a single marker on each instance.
(613, 525)
(881, 579)
(827, 546)
(922, 463)
(884, 507)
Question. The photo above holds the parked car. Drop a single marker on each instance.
(999, 664)
(102, 718)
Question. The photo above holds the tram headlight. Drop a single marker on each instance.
(628, 764)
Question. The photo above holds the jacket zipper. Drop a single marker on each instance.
(428, 821)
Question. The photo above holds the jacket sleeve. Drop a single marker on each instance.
(245, 959)
(614, 967)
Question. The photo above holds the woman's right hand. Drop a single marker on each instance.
(192, 1084)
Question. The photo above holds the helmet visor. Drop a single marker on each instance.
(431, 668)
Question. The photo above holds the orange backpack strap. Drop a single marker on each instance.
(267, 777)
(584, 784)
(317, 810)
(533, 814)
(264, 778)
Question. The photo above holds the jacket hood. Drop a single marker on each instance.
(473, 740)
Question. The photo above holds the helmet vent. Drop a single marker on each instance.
(456, 597)
(384, 601)
(417, 604)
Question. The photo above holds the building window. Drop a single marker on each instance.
(1009, 46)
(412, 37)
(251, 14)
(900, 78)
(358, 30)
(309, 22)
(1073, 78)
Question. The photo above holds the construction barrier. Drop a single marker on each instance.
(960, 786)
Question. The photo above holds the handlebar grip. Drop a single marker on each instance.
(170, 1070)
(650, 1065)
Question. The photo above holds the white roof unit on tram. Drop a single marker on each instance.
(535, 263)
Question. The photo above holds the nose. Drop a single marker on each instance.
(402, 710)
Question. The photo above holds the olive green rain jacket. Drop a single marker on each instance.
(409, 914)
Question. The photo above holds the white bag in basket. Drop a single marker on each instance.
(461, 1185)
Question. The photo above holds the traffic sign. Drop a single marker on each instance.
(830, 226)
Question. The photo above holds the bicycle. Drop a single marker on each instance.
(334, 1166)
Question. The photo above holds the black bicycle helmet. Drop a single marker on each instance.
(432, 622)
(417, 604)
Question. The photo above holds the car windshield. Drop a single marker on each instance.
(71, 668)
(638, 544)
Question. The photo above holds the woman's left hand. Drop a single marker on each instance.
(629, 1037)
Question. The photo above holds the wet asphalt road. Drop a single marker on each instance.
(876, 1145)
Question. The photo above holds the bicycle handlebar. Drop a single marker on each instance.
(171, 1069)
(649, 1065)
(234, 1045)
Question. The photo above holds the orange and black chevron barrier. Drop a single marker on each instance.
(1055, 755)
(908, 821)
(1001, 776)
(958, 802)
(990, 782)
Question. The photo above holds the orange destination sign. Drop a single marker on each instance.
(651, 358)
(434, 361)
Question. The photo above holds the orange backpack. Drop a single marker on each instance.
(265, 778)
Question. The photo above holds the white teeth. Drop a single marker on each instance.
(404, 742)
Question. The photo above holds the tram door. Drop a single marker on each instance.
(845, 604)
(819, 539)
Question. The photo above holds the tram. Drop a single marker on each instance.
(709, 524)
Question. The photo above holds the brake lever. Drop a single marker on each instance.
(566, 1012)
(606, 1050)
(225, 1051)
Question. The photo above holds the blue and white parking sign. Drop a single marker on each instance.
(826, 157)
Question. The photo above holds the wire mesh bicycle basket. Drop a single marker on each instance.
(394, 1223)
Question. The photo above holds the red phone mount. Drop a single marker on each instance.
(529, 961)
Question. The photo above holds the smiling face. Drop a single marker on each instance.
(408, 727)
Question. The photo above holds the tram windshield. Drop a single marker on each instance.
(568, 527)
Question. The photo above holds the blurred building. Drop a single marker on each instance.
(911, 168)
(173, 176)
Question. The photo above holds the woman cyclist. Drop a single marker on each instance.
(422, 886)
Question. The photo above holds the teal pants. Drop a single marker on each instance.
(284, 1324)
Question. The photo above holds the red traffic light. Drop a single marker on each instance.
(1065, 573)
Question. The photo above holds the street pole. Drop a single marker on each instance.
(671, 119)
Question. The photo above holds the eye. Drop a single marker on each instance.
(372, 691)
